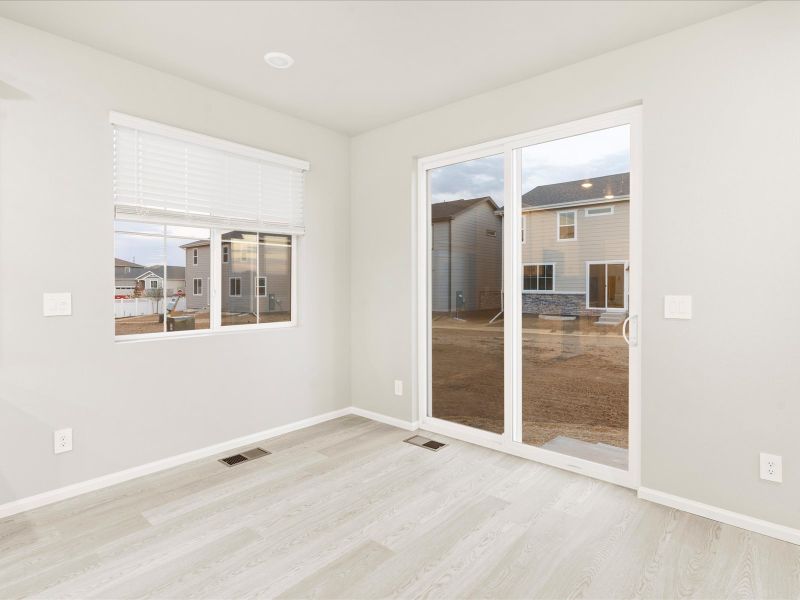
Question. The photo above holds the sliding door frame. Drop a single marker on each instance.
(510, 440)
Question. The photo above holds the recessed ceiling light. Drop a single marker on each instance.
(586, 184)
(609, 196)
(279, 60)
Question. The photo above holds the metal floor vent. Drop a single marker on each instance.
(423, 442)
(244, 456)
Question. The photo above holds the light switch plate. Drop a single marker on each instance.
(398, 387)
(57, 304)
(677, 307)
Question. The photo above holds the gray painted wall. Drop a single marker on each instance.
(55, 97)
(720, 137)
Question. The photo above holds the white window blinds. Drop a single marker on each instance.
(170, 175)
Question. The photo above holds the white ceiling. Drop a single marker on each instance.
(360, 65)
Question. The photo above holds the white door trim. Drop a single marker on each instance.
(507, 442)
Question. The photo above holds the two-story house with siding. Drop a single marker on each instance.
(575, 240)
(466, 255)
(255, 276)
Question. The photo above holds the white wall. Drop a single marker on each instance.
(721, 154)
(56, 235)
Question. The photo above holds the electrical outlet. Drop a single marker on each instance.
(772, 467)
(398, 387)
(62, 440)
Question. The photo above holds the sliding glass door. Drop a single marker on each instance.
(530, 286)
(575, 209)
(465, 228)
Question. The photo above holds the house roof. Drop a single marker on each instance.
(570, 192)
(158, 271)
(119, 262)
(445, 211)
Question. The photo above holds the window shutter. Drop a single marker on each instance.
(168, 175)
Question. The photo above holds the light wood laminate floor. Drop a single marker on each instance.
(345, 509)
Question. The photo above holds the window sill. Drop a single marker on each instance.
(182, 335)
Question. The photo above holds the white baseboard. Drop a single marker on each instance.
(393, 421)
(722, 515)
(76, 489)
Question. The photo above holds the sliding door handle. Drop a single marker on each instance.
(632, 324)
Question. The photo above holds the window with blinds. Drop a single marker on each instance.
(219, 216)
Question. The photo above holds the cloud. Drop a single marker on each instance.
(593, 154)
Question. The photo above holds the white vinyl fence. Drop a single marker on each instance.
(135, 307)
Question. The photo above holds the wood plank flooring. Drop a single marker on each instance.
(345, 509)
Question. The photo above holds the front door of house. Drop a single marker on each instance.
(607, 285)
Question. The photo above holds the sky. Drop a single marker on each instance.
(149, 250)
(603, 152)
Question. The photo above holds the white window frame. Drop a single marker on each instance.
(559, 225)
(524, 291)
(150, 285)
(230, 283)
(195, 255)
(607, 211)
(524, 228)
(226, 253)
(197, 284)
(259, 286)
(215, 299)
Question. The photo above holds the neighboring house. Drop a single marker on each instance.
(467, 255)
(131, 279)
(242, 280)
(125, 273)
(575, 246)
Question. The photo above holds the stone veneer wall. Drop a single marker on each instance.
(556, 304)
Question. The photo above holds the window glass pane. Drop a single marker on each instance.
(187, 311)
(138, 306)
(238, 302)
(567, 233)
(275, 273)
(567, 218)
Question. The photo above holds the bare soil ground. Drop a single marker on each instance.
(150, 324)
(575, 378)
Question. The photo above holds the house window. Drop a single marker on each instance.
(127, 269)
(599, 211)
(567, 225)
(538, 278)
(524, 227)
(491, 233)
(261, 189)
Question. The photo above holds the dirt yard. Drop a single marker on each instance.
(150, 324)
(575, 378)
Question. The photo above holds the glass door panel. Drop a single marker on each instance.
(465, 286)
(575, 194)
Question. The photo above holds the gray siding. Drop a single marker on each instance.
(201, 271)
(477, 258)
(274, 264)
(600, 238)
(440, 266)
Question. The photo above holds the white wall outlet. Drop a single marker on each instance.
(398, 387)
(57, 305)
(772, 467)
(677, 307)
(62, 440)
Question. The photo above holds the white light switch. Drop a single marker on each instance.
(398, 387)
(677, 307)
(57, 305)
